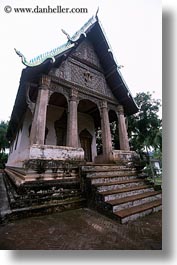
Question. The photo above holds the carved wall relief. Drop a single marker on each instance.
(86, 77)
(85, 51)
(63, 71)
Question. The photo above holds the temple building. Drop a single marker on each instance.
(65, 97)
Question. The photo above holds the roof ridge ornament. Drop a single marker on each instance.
(67, 35)
(57, 51)
(36, 61)
(96, 15)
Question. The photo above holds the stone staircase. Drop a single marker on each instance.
(120, 192)
(39, 197)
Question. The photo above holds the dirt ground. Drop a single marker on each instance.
(81, 229)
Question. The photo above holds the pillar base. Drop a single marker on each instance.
(100, 159)
(124, 156)
(117, 156)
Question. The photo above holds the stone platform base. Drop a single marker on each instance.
(39, 189)
(43, 209)
(45, 185)
(34, 170)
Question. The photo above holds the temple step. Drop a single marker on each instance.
(106, 186)
(110, 178)
(104, 168)
(135, 212)
(110, 174)
(122, 194)
(126, 202)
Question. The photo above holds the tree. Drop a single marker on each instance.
(145, 127)
(3, 143)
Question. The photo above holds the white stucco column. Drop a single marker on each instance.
(123, 136)
(72, 121)
(37, 134)
(106, 133)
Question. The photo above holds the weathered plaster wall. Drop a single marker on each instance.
(50, 152)
(53, 113)
(20, 150)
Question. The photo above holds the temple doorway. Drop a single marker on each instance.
(86, 142)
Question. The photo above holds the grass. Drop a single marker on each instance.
(157, 181)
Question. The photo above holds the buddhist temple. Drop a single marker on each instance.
(65, 97)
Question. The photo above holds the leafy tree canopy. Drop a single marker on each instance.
(145, 127)
(3, 143)
(3, 140)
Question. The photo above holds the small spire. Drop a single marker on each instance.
(120, 66)
(67, 35)
(96, 15)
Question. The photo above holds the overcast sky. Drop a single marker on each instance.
(132, 27)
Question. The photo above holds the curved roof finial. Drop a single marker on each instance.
(96, 15)
(67, 35)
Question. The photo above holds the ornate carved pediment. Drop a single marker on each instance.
(86, 53)
(83, 68)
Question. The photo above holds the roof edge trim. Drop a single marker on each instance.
(54, 52)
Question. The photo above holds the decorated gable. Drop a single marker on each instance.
(85, 52)
(83, 68)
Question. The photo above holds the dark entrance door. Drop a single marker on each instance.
(86, 142)
(60, 130)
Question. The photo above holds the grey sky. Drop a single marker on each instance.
(133, 28)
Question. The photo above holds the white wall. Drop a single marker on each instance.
(53, 113)
(22, 143)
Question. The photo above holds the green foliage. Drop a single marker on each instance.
(3, 159)
(145, 127)
(115, 135)
(99, 144)
(3, 143)
(3, 140)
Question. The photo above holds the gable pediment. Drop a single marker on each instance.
(83, 67)
(86, 53)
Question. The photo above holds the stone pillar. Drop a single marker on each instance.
(37, 134)
(123, 136)
(106, 133)
(72, 122)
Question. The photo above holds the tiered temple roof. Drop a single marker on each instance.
(43, 63)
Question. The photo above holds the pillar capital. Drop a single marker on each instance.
(120, 110)
(73, 95)
(44, 82)
(103, 104)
